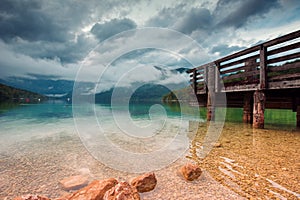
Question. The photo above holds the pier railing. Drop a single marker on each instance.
(271, 65)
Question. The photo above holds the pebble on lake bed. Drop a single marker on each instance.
(31, 197)
(190, 171)
(74, 182)
(217, 144)
(145, 182)
(95, 190)
(122, 191)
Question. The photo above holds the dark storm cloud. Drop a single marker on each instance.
(46, 29)
(167, 16)
(112, 27)
(183, 19)
(228, 13)
(67, 52)
(238, 13)
(27, 20)
(196, 18)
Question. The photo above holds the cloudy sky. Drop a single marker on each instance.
(57, 39)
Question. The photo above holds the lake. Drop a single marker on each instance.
(40, 144)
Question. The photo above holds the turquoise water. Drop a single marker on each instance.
(53, 111)
(41, 143)
(35, 120)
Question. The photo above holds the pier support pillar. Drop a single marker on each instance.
(247, 109)
(298, 116)
(259, 100)
(210, 115)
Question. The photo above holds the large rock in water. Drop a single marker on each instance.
(31, 197)
(190, 171)
(94, 191)
(145, 182)
(122, 191)
(74, 182)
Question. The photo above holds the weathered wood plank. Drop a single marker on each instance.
(217, 78)
(240, 75)
(284, 84)
(283, 49)
(284, 67)
(204, 66)
(263, 67)
(201, 76)
(238, 88)
(239, 61)
(282, 39)
(238, 69)
(284, 58)
(239, 54)
(285, 76)
(190, 70)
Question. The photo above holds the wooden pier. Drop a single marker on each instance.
(263, 76)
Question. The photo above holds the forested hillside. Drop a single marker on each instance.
(11, 94)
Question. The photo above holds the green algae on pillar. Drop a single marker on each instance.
(298, 116)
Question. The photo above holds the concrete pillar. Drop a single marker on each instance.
(247, 109)
(259, 109)
(298, 116)
(210, 115)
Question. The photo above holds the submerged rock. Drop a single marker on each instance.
(31, 197)
(145, 182)
(217, 144)
(190, 171)
(94, 191)
(74, 182)
(122, 191)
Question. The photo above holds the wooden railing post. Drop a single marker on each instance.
(263, 68)
(217, 77)
(195, 81)
(250, 66)
(205, 76)
(211, 94)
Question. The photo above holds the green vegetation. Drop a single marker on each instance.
(184, 94)
(10, 94)
(283, 72)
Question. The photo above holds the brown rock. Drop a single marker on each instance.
(94, 191)
(74, 182)
(217, 144)
(145, 182)
(122, 191)
(31, 197)
(190, 171)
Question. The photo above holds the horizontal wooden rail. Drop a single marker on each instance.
(255, 68)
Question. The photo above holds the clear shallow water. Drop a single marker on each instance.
(39, 145)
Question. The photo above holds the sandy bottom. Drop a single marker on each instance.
(260, 164)
(257, 164)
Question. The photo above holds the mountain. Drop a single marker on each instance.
(11, 94)
(40, 85)
(54, 87)
(145, 93)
